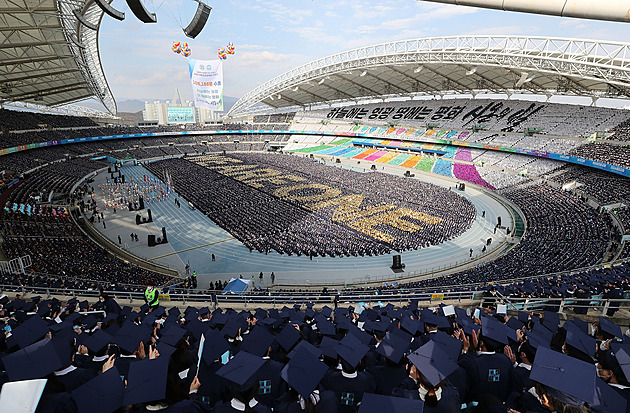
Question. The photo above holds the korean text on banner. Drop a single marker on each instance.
(206, 77)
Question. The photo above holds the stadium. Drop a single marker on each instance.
(436, 224)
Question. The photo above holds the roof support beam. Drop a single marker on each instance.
(387, 83)
(38, 76)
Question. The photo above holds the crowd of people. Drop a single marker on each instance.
(102, 358)
(303, 224)
(604, 152)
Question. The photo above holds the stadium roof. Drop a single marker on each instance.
(449, 65)
(47, 56)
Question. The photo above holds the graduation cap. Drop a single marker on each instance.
(351, 350)
(214, 345)
(288, 337)
(28, 332)
(305, 345)
(172, 335)
(412, 326)
(449, 344)
(89, 322)
(104, 393)
(609, 328)
(241, 370)
(304, 372)
(146, 381)
(559, 372)
(607, 399)
(580, 324)
(514, 323)
(326, 327)
(433, 363)
(33, 362)
(328, 347)
(165, 350)
(376, 403)
(537, 340)
(580, 341)
(392, 347)
(129, 336)
(492, 329)
(551, 321)
(327, 311)
(257, 342)
(98, 341)
(364, 337)
(174, 311)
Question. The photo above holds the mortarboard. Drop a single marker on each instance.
(304, 372)
(328, 347)
(494, 330)
(214, 345)
(609, 328)
(326, 327)
(514, 323)
(607, 399)
(28, 332)
(306, 346)
(165, 350)
(98, 341)
(433, 363)
(551, 321)
(580, 341)
(392, 347)
(326, 311)
(376, 403)
(241, 370)
(146, 381)
(288, 337)
(172, 335)
(449, 344)
(103, 394)
(580, 324)
(410, 325)
(558, 371)
(351, 350)
(129, 336)
(33, 362)
(257, 342)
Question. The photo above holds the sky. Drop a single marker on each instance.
(272, 37)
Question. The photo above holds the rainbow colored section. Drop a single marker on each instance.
(442, 166)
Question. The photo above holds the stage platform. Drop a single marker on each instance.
(193, 238)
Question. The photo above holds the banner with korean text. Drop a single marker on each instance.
(206, 77)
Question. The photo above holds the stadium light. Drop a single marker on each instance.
(418, 69)
(295, 89)
(279, 97)
(363, 73)
(471, 71)
(321, 81)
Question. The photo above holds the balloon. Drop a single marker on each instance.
(230, 48)
(222, 54)
(177, 48)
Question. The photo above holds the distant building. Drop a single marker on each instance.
(177, 112)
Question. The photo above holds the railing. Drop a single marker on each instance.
(560, 305)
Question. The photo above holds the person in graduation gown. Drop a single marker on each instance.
(489, 372)
(428, 370)
(349, 385)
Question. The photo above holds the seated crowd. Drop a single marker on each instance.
(294, 227)
(103, 358)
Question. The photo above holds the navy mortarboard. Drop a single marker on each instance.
(304, 372)
(558, 372)
(241, 370)
(146, 381)
(104, 393)
(433, 363)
